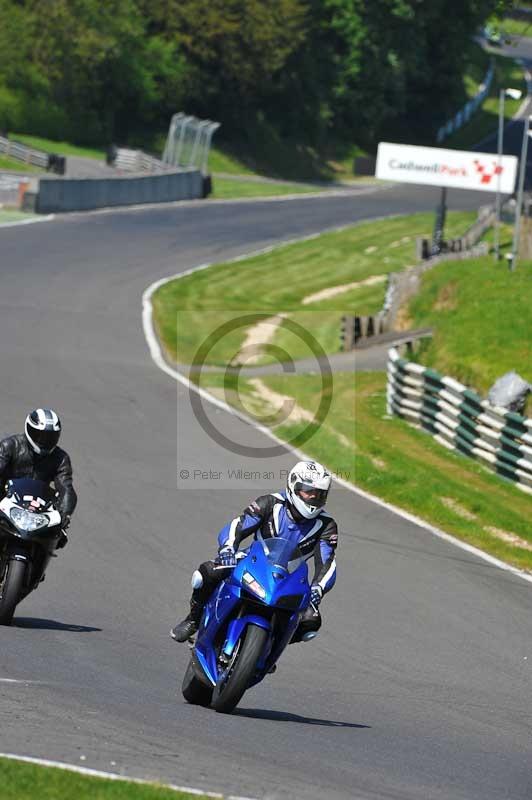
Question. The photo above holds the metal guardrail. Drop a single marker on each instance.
(465, 113)
(128, 160)
(22, 153)
(460, 420)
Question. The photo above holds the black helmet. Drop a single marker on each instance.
(42, 429)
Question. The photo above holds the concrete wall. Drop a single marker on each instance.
(72, 194)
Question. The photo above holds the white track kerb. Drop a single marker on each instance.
(158, 357)
(113, 776)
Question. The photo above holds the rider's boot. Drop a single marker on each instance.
(189, 626)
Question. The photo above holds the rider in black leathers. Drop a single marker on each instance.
(35, 454)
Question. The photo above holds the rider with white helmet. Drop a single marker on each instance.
(36, 454)
(297, 514)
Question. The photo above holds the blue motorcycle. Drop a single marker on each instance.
(247, 623)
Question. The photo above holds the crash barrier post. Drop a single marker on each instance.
(460, 420)
(465, 113)
(73, 194)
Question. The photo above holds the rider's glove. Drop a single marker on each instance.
(316, 593)
(226, 557)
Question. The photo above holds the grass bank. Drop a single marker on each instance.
(62, 148)
(23, 781)
(227, 188)
(8, 215)
(393, 460)
(283, 279)
(482, 320)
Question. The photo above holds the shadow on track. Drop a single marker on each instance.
(284, 716)
(50, 625)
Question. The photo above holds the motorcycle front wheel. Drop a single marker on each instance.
(193, 690)
(11, 590)
(235, 680)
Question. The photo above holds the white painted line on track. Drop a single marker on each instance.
(47, 218)
(16, 680)
(113, 776)
(158, 357)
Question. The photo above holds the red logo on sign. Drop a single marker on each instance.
(487, 175)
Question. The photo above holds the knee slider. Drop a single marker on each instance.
(197, 579)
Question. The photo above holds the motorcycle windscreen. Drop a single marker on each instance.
(28, 491)
(282, 553)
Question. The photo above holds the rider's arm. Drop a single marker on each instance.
(63, 484)
(6, 455)
(247, 523)
(324, 557)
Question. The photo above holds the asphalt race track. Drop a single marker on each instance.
(419, 685)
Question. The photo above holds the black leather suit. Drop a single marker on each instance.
(19, 460)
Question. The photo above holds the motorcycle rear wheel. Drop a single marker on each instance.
(11, 590)
(193, 690)
(230, 688)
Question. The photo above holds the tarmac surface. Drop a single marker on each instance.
(419, 684)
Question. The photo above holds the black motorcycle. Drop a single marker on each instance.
(30, 527)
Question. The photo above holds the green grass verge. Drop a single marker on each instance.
(225, 188)
(8, 215)
(482, 319)
(280, 280)
(231, 164)
(395, 461)
(476, 340)
(508, 73)
(516, 27)
(23, 781)
(62, 148)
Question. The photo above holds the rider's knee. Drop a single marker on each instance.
(310, 623)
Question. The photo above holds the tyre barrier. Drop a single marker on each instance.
(460, 420)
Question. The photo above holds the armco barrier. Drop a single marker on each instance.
(127, 160)
(460, 420)
(469, 109)
(72, 194)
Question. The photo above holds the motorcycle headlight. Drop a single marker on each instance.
(27, 521)
(253, 585)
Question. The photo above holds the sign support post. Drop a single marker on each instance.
(439, 224)
(519, 204)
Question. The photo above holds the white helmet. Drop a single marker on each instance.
(307, 488)
(42, 429)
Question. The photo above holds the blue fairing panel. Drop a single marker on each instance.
(237, 626)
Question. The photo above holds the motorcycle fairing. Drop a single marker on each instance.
(227, 613)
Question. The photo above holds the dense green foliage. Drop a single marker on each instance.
(306, 69)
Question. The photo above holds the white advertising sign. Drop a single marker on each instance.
(459, 169)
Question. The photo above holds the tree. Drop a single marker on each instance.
(235, 51)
